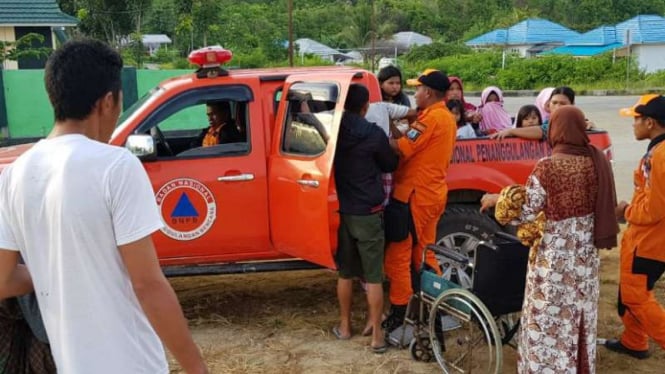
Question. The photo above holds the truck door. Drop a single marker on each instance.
(213, 199)
(300, 166)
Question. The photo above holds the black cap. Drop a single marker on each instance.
(654, 108)
(431, 78)
(648, 106)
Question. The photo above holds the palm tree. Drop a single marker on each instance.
(365, 29)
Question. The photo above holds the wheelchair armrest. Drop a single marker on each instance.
(449, 254)
(506, 236)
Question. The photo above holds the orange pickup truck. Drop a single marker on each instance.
(269, 202)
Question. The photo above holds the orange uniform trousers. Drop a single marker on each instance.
(640, 312)
(400, 255)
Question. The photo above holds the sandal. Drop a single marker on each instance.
(338, 334)
(380, 349)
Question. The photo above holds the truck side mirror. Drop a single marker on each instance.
(142, 146)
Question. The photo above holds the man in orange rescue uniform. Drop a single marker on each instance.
(425, 149)
(642, 251)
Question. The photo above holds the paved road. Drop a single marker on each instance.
(604, 112)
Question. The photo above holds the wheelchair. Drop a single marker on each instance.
(464, 329)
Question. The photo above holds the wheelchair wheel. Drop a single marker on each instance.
(475, 345)
(421, 348)
(508, 324)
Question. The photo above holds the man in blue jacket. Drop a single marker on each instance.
(363, 154)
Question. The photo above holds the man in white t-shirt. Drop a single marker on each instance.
(382, 114)
(81, 212)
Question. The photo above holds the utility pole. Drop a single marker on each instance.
(290, 10)
(628, 58)
(373, 31)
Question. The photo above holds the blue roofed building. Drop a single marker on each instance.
(526, 38)
(642, 36)
(599, 40)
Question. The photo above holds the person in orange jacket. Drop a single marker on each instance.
(425, 151)
(642, 252)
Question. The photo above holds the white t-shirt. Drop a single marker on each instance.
(381, 113)
(66, 205)
(466, 132)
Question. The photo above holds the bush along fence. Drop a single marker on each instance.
(510, 72)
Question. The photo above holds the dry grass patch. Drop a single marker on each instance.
(280, 323)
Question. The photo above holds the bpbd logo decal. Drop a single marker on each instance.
(188, 208)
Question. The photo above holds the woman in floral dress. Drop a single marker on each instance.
(565, 213)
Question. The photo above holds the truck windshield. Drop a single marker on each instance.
(146, 99)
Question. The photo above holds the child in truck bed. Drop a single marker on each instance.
(528, 116)
(464, 129)
(390, 80)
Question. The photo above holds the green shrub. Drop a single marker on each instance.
(162, 56)
(482, 69)
(177, 63)
(655, 80)
(436, 50)
(254, 59)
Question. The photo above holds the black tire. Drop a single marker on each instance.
(466, 219)
(461, 228)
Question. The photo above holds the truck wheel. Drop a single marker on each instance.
(461, 228)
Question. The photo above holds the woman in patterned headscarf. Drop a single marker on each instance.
(567, 208)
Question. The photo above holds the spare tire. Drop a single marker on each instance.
(461, 228)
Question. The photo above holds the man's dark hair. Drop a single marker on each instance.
(80, 73)
(566, 91)
(356, 99)
(220, 106)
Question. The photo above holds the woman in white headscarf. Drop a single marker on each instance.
(542, 102)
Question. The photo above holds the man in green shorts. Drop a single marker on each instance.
(363, 154)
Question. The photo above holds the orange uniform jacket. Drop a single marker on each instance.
(420, 179)
(646, 212)
(643, 254)
(426, 151)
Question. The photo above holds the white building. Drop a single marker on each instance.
(43, 17)
(644, 35)
(155, 41)
(312, 47)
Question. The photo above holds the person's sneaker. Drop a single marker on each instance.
(395, 319)
(616, 346)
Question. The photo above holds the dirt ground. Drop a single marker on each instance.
(280, 323)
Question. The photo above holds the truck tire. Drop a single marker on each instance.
(461, 228)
